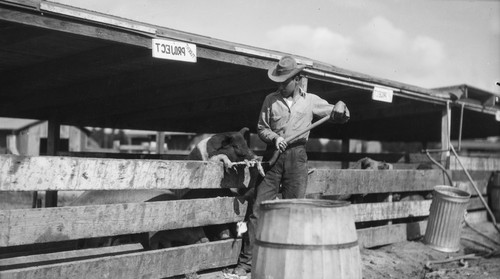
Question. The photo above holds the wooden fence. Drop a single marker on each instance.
(50, 228)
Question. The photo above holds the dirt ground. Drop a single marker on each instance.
(408, 259)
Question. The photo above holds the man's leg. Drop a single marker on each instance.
(267, 189)
(295, 173)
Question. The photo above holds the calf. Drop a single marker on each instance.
(153, 240)
(227, 147)
(230, 148)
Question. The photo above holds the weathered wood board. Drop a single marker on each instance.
(70, 173)
(351, 181)
(480, 178)
(383, 235)
(42, 173)
(341, 182)
(66, 256)
(390, 210)
(27, 226)
(400, 209)
(475, 163)
(150, 264)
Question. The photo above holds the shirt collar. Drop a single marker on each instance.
(302, 92)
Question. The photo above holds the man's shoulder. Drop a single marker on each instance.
(273, 95)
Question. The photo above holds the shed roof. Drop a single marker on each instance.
(90, 69)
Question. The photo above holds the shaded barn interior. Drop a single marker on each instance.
(89, 74)
(76, 67)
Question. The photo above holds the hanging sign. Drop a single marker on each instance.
(382, 94)
(173, 50)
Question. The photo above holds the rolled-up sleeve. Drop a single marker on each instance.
(263, 126)
(320, 107)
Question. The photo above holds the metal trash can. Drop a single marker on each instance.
(445, 218)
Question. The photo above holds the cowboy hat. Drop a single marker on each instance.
(286, 68)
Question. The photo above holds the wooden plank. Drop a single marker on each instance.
(479, 177)
(383, 235)
(170, 155)
(400, 209)
(353, 157)
(475, 203)
(225, 51)
(445, 135)
(95, 17)
(29, 3)
(338, 165)
(65, 25)
(69, 173)
(341, 182)
(475, 163)
(150, 264)
(477, 216)
(66, 256)
(39, 225)
(391, 210)
(53, 138)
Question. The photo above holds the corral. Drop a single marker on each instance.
(90, 69)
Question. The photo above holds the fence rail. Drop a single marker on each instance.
(42, 226)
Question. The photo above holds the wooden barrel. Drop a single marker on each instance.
(493, 191)
(304, 238)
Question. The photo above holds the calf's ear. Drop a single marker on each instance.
(244, 130)
(227, 140)
(215, 143)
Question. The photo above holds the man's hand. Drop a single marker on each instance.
(280, 144)
(340, 113)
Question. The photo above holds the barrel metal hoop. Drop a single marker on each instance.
(306, 246)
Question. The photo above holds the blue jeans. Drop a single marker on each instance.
(289, 172)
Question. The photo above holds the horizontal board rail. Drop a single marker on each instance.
(42, 173)
(39, 225)
(28, 226)
(400, 209)
(148, 264)
(349, 157)
(352, 181)
(383, 235)
(67, 256)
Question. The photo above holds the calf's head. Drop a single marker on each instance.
(231, 144)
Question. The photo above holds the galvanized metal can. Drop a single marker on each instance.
(446, 215)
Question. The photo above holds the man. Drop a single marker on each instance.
(285, 112)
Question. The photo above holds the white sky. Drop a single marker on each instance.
(424, 43)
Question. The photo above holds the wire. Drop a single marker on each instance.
(440, 166)
(477, 190)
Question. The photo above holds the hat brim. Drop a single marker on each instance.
(281, 78)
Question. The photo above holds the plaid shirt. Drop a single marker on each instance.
(277, 119)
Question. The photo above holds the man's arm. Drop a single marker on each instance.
(263, 126)
(322, 108)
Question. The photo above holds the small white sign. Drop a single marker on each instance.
(382, 94)
(497, 115)
(173, 50)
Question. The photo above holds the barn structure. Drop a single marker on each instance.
(76, 67)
